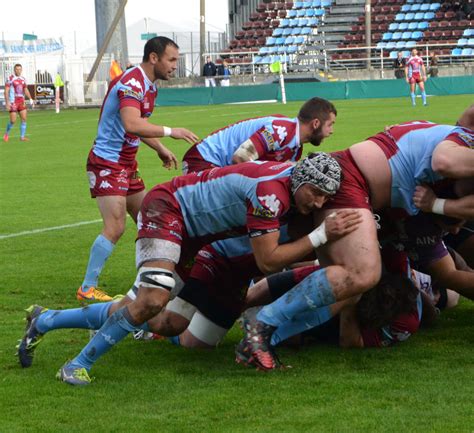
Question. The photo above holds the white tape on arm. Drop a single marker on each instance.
(318, 236)
(167, 131)
(438, 206)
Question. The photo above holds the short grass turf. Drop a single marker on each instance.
(423, 385)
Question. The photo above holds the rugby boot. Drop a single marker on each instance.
(73, 375)
(6, 138)
(24, 139)
(92, 294)
(32, 336)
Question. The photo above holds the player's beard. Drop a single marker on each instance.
(317, 136)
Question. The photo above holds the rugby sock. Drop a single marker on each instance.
(300, 323)
(22, 129)
(100, 251)
(313, 292)
(174, 340)
(9, 126)
(90, 317)
(423, 97)
(114, 330)
(412, 95)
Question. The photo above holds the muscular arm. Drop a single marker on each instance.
(423, 69)
(168, 157)
(27, 93)
(7, 97)
(137, 125)
(452, 160)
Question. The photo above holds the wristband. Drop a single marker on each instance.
(166, 131)
(438, 206)
(318, 236)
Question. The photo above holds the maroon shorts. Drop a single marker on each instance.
(193, 162)
(18, 105)
(354, 191)
(415, 78)
(111, 178)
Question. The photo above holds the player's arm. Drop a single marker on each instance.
(423, 69)
(272, 257)
(137, 125)
(452, 160)
(28, 94)
(407, 79)
(245, 152)
(168, 157)
(7, 96)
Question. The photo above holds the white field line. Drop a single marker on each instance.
(48, 229)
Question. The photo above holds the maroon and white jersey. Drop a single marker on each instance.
(414, 66)
(17, 86)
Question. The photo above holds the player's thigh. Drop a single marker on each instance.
(112, 207)
(134, 202)
(12, 116)
(358, 252)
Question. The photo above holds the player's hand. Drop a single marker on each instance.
(169, 159)
(32, 103)
(424, 198)
(184, 134)
(341, 223)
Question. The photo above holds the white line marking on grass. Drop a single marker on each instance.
(232, 114)
(48, 229)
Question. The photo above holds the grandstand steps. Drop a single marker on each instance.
(347, 11)
(331, 19)
(340, 28)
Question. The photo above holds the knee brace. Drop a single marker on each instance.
(156, 278)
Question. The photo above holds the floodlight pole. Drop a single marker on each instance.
(107, 39)
(202, 34)
(368, 29)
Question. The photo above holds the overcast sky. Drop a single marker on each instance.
(69, 19)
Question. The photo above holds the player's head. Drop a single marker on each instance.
(467, 118)
(17, 69)
(313, 180)
(393, 295)
(162, 53)
(414, 52)
(400, 54)
(319, 115)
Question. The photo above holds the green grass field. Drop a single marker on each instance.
(423, 385)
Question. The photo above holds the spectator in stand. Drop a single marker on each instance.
(399, 65)
(209, 71)
(433, 65)
(224, 72)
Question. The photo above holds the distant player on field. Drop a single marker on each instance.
(113, 173)
(15, 91)
(415, 73)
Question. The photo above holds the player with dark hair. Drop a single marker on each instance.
(269, 138)
(15, 91)
(114, 179)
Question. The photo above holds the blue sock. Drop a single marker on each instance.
(313, 292)
(114, 330)
(22, 129)
(412, 95)
(91, 317)
(300, 323)
(100, 251)
(9, 126)
(423, 97)
(174, 340)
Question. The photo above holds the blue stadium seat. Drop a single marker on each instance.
(409, 16)
(396, 36)
(277, 32)
(316, 4)
(406, 8)
(326, 3)
(471, 42)
(305, 31)
(467, 52)
(282, 49)
(415, 8)
(313, 22)
(393, 26)
(297, 5)
(287, 31)
(381, 45)
(425, 7)
(292, 49)
(263, 50)
(292, 13)
(410, 44)
(284, 22)
(403, 26)
(387, 36)
(399, 17)
(417, 35)
(272, 50)
(462, 42)
(309, 13)
(296, 31)
(423, 25)
(406, 54)
(289, 40)
(301, 13)
(413, 26)
(406, 36)
(299, 40)
(271, 41)
(307, 4)
(468, 33)
(456, 52)
(280, 41)
(400, 45)
(318, 12)
(256, 59)
(393, 54)
(294, 22)
(390, 45)
(302, 22)
(435, 6)
(428, 16)
(419, 16)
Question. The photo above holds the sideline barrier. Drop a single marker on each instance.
(302, 91)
